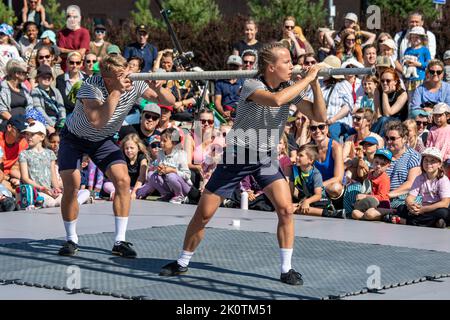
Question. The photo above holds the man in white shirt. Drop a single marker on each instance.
(415, 19)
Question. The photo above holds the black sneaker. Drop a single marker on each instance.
(292, 277)
(172, 269)
(68, 249)
(123, 249)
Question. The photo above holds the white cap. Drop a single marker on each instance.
(389, 43)
(446, 55)
(35, 127)
(352, 62)
(233, 59)
(351, 16)
(432, 152)
(418, 30)
(440, 108)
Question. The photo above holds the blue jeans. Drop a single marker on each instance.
(378, 126)
(340, 129)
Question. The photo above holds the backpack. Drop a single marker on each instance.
(28, 197)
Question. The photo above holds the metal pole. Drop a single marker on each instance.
(218, 75)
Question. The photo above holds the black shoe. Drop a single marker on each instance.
(292, 277)
(172, 269)
(340, 214)
(68, 249)
(123, 249)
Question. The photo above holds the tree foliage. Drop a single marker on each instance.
(7, 14)
(56, 14)
(401, 8)
(143, 15)
(309, 14)
(196, 13)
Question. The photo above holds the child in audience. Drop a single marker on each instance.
(37, 166)
(307, 180)
(414, 141)
(358, 167)
(428, 200)
(96, 179)
(153, 147)
(137, 162)
(439, 135)
(369, 100)
(283, 155)
(377, 186)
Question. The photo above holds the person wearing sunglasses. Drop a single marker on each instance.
(249, 60)
(67, 80)
(99, 45)
(88, 66)
(330, 164)
(73, 37)
(433, 89)
(103, 101)
(296, 46)
(249, 42)
(348, 47)
(262, 113)
(422, 119)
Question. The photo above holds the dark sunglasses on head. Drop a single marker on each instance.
(72, 63)
(204, 121)
(438, 72)
(45, 57)
(421, 123)
(154, 145)
(320, 126)
(149, 116)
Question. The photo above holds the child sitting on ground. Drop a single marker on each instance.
(377, 186)
(358, 167)
(428, 200)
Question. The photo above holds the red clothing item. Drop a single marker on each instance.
(380, 186)
(11, 153)
(73, 40)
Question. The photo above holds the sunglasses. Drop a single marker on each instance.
(321, 127)
(350, 40)
(289, 27)
(392, 139)
(204, 121)
(310, 63)
(44, 57)
(155, 145)
(438, 72)
(248, 62)
(91, 61)
(422, 123)
(72, 63)
(386, 80)
(149, 116)
(357, 119)
(100, 31)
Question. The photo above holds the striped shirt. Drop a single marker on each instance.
(399, 169)
(94, 88)
(257, 127)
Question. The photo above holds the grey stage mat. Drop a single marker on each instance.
(229, 264)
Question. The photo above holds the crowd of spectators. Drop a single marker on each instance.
(382, 154)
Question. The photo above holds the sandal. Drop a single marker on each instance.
(391, 218)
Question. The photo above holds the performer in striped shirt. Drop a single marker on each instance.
(262, 112)
(102, 104)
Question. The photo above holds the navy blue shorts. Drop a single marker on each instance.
(72, 148)
(227, 176)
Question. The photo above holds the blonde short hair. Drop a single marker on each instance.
(111, 62)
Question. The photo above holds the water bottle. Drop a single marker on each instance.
(244, 200)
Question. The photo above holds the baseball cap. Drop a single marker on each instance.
(49, 34)
(233, 59)
(112, 48)
(389, 43)
(351, 16)
(440, 108)
(371, 140)
(99, 27)
(151, 107)
(432, 152)
(18, 121)
(6, 29)
(384, 153)
(170, 108)
(44, 69)
(352, 62)
(446, 55)
(418, 112)
(141, 28)
(35, 127)
(334, 63)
